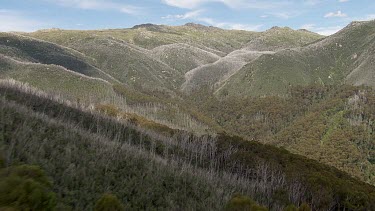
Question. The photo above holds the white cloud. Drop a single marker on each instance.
(98, 5)
(313, 2)
(253, 4)
(230, 25)
(16, 21)
(188, 15)
(246, 27)
(196, 16)
(308, 26)
(367, 17)
(337, 14)
(329, 30)
(341, 1)
(284, 15)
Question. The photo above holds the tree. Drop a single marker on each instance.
(109, 202)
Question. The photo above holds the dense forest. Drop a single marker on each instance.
(86, 155)
(331, 124)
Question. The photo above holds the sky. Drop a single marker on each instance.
(322, 16)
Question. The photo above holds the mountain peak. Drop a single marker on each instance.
(147, 26)
(277, 28)
(200, 26)
(304, 30)
(195, 25)
(50, 30)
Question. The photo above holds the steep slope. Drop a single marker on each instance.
(216, 74)
(278, 38)
(184, 57)
(336, 59)
(337, 132)
(90, 90)
(31, 50)
(132, 65)
(364, 73)
(56, 79)
(331, 124)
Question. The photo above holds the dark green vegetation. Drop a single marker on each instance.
(331, 124)
(243, 203)
(78, 148)
(109, 202)
(146, 104)
(25, 187)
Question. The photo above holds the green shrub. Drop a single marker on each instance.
(108, 202)
(291, 207)
(25, 188)
(243, 203)
(304, 207)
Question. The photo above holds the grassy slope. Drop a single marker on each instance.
(215, 75)
(134, 67)
(37, 51)
(124, 53)
(328, 61)
(56, 79)
(183, 57)
(215, 40)
(127, 63)
(278, 38)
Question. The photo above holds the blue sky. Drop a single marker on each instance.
(322, 16)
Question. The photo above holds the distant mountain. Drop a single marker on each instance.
(344, 57)
(216, 74)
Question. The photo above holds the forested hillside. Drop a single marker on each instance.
(78, 147)
(331, 124)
